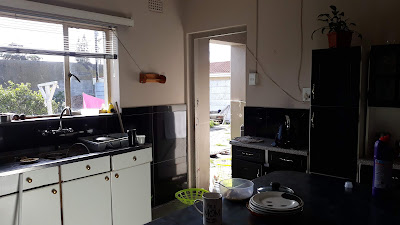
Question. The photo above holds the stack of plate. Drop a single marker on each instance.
(275, 203)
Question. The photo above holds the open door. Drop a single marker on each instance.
(202, 111)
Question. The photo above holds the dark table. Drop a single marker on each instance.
(325, 202)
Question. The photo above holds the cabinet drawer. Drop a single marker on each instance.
(41, 177)
(130, 159)
(85, 168)
(9, 184)
(248, 154)
(284, 161)
(246, 170)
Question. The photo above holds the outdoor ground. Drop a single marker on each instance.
(220, 153)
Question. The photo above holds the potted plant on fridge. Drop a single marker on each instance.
(338, 27)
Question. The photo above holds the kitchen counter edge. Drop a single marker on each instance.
(18, 168)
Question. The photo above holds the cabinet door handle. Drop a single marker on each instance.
(88, 167)
(312, 120)
(29, 180)
(134, 158)
(116, 175)
(54, 191)
(258, 173)
(107, 178)
(286, 160)
(247, 154)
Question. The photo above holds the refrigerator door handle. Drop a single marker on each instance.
(313, 91)
(312, 120)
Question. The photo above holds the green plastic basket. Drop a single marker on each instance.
(188, 196)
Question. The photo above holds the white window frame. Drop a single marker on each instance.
(110, 31)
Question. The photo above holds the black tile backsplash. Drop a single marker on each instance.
(27, 134)
(265, 122)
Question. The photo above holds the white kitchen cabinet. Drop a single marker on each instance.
(8, 209)
(131, 195)
(87, 201)
(41, 206)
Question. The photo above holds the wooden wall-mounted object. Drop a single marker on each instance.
(152, 78)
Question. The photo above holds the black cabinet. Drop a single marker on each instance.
(384, 76)
(247, 163)
(334, 141)
(336, 77)
(246, 170)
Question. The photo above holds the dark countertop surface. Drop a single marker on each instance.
(17, 167)
(370, 162)
(325, 203)
(266, 145)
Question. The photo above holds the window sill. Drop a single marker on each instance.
(65, 117)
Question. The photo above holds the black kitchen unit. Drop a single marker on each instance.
(165, 128)
(334, 118)
(384, 76)
(248, 163)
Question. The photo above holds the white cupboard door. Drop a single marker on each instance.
(41, 206)
(131, 195)
(87, 201)
(8, 209)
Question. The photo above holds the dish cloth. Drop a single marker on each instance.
(248, 139)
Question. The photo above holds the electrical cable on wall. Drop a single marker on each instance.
(301, 46)
(262, 68)
(130, 55)
(269, 77)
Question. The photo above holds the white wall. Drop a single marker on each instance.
(279, 41)
(279, 36)
(156, 42)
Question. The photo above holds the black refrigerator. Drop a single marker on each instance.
(334, 119)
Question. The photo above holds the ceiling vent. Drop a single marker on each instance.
(156, 6)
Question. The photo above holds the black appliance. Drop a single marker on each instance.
(266, 122)
(165, 127)
(284, 138)
(335, 85)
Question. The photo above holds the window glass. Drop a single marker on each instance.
(88, 92)
(20, 33)
(31, 84)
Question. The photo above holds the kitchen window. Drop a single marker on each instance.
(46, 66)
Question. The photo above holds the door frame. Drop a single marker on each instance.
(193, 164)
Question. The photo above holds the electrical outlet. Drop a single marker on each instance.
(252, 79)
(306, 94)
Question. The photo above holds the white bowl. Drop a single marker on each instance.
(236, 188)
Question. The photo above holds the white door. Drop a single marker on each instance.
(131, 195)
(87, 201)
(8, 209)
(42, 206)
(202, 111)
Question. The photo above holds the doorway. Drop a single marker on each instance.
(220, 113)
(232, 113)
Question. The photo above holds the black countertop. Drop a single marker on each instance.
(325, 202)
(17, 167)
(266, 145)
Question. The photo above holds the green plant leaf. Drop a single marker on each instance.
(352, 24)
(323, 20)
(341, 14)
(333, 7)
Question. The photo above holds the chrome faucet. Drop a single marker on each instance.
(61, 130)
(68, 112)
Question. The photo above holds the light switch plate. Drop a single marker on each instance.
(306, 94)
(252, 79)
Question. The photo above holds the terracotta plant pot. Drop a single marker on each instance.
(340, 39)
